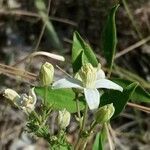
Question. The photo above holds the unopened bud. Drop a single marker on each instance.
(63, 119)
(11, 94)
(104, 113)
(46, 74)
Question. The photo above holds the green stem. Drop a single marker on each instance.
(85, 141)
(45, 95)
(80, 139)
(92, 127)
(84, 118)
(78, 109)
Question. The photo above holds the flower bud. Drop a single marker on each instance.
(88, 75)
(104, 113)
(63, 118)
(46, 74)
(11, 94)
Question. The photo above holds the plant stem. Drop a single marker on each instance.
(45, 95)
(109, 137)
(78, 109)
(80, 138)
(92, 127)
(84, 118)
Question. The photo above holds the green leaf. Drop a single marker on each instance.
(109, 37)
(100, 140)
(119, 99)
(81, 53)
(61, 98)
(139, 95)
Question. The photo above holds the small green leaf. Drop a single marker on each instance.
(100, 140)
(139, 95)
(119, 99)
(60, 99)
(109, 37)
(81, 53)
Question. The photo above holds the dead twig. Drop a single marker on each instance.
(132, 47)
(140, 107)
(40, 53)
(35, 15)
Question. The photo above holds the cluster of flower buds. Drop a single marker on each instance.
(27, 102)
(24, 101)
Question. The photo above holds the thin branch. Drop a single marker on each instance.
(111, 146)
(11, 71)
(63, 71)
(40, 53)
(132, 47)
(35, 15)
(140, 107)
(19, 13)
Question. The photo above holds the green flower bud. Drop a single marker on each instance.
(104, 113)
(63, 119)
(88, 75)
(11, 95)
(46, 74)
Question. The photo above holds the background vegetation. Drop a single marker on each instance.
(25, 27)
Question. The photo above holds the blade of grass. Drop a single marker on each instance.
(40, 5)
(132, 47)
(134, 24)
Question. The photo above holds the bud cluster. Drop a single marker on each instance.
(24, 102)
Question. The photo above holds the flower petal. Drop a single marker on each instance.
(100, 74)
(107, 84)
(67, 83)
(92, 97)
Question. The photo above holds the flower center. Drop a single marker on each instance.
(88, 75)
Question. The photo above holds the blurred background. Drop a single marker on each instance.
(48, 25)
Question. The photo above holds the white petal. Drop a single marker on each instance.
(92, 97)
(67, 83)
(100, 74)
(107, 84)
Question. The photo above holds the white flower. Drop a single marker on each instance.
(89, 79)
